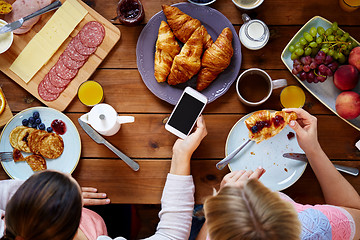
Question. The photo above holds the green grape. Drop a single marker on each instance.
(303, 41)
(325, 45)
(347, 52)
(336, 55)
(291, 48)
(320, 30)
(298, 45)
(313, 44)
(313, 31)
(328, 31)
(331, 38)
(343, 39)
(294, 56)
(346, 35)
(325, 50)
(339, 32)
(319, 40)
(308, 37)
(299, 52)
(344, 47)
(334, 26)
(342, 58)
(353, 44)
(307, 51)
(331, 52)
(314, 51)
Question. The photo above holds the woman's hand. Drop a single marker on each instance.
(239, 178)
(92, 197)
(306, 129)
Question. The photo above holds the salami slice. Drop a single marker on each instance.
(70, 49)
(50, 87)
(92, 34)
(64, 72)
(56, 80)
(81, 48)
(44, 94)
(70, 63)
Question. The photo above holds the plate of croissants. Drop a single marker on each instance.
(188, 45)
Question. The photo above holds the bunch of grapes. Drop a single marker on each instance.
(315, 69)
(332, 41)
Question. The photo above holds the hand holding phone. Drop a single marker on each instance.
(187, 110)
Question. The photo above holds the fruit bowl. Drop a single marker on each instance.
(325, 92)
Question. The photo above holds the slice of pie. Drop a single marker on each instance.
(264, 124)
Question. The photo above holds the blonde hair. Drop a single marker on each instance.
(253, 212)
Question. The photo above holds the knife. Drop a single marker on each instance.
(15, 25)
(100, 140)
(302, 157)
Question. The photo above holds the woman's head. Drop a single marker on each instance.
(251, 212)
(46, 206)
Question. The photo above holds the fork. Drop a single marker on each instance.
(6, 156)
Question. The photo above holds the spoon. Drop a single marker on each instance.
(220, 165)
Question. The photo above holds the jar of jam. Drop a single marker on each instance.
(130, 12)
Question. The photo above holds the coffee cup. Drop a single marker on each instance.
(247, 4)
(254, 86)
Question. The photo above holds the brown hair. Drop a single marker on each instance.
(253, 212)
(46, 206)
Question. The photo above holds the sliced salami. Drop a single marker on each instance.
(44, 94)
(70, 49)
(70, 63)
(92, 34)
(81, 48)
(56, 80)
(50, 87)
(64, 72)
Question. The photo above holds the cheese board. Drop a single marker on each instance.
(112, 36)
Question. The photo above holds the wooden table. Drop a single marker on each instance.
(150, 144)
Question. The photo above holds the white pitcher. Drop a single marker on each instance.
(105, 120)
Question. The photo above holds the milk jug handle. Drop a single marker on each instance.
(245, 17)
(125, 119)
(85, 118)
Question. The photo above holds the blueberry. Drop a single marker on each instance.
(34, 125)
(38, 121)
(36, 114)
(254, 129)
(31, 120)
(49, 129)
(25, 122)
(42, 126)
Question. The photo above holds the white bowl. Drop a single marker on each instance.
(6, 39)
(202, 4)
(259, 2)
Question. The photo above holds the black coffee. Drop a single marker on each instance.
(254, 87)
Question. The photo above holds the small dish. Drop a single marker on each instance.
(6, 39)
(249, 4)
(202, 2)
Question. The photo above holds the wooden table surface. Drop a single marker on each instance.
(150, 144)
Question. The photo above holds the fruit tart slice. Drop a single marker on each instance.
(264, 124)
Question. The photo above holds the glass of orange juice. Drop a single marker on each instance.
(90, 93)
(349, 5)
(292, 97)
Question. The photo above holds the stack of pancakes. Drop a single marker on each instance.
(39, 142)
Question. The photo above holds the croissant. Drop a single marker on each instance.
(215, 59)
(183, 25)
(188, 62)
(166, 49)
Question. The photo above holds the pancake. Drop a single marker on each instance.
(36, 162)
(51, 145)
(34, 140)
(13, 136)
(17, 155)
(22, 140)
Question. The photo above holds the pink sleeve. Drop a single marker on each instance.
(92, 224)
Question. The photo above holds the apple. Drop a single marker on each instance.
(348, 105)
(346, 77)
(354, 57)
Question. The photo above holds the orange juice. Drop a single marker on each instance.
(349, 5)
(292, 97)
(90, 93)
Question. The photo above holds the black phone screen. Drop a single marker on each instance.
(186, 113)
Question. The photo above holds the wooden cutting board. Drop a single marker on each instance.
(6, 115)
(112, 36)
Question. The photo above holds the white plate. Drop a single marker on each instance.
(281, 172)
(325, 92)
(68, 160)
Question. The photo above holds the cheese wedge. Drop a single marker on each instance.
(48, 40)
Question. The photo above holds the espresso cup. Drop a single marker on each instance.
(254, 86)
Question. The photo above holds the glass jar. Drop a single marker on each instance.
(130, 12)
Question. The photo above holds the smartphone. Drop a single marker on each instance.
(187, 110)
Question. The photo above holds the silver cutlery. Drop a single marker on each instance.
(100, 140)
(302, 157)
(6, 156)
(220, 165)
(17, 24)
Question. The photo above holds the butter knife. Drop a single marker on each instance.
(15, 25)
(100, 140)
(302, 157)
